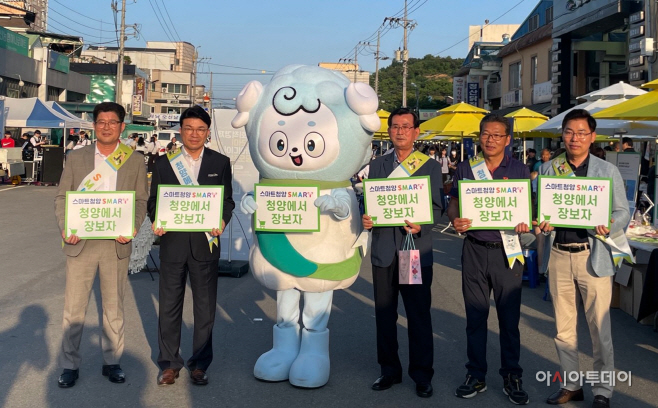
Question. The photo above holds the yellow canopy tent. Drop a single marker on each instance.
(382, 133)
(525, 120)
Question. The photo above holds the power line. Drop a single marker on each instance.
(467, 37)
(73, 29)
(231, 66)
(172, 23)
(169, 37)
(76, 12)
(80, 24)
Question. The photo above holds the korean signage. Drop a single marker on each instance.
(495, 204)
(169, 117)
(542, 92)
(140, 87)
(628, 164)
(286, 208)
(100, 214)
(58, 62)
(473, 91)
(458, 85)
(574, 202)
(137, 105)
(389, 202)
(189, 208)
(9, 40)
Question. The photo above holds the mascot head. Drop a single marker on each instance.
(308, 123)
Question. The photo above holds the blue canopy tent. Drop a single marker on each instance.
(34, 113)
(59, 109)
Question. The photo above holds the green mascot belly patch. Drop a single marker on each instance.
(278, 251)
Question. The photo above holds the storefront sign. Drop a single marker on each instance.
(189, 208)
(574, 202)
(100, 214)
(137, 105)
(458, 85)
(58, 62)
(169, 117)
(473, 93)
(9, 40)
(392, 201)
(495, 204)
(286, 208)
(542, 92)
(628, 164)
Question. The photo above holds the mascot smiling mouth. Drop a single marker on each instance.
(297, 160)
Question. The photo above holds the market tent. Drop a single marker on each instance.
(382, 133)
(59, 109)
(460, 119)
(620, 90)
(641, 108)
(32, 112)
(525, 121)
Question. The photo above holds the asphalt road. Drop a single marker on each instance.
(32, 296)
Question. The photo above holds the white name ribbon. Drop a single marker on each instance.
(616, 241)
(186, 178)
(511, 242)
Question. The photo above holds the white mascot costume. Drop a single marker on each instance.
(308, 126)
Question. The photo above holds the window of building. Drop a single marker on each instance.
(515, 76)
(533, 70)
(175, 88)
(533, 22)
(170, 109)
(549, 14)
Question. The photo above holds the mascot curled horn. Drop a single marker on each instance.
(308, 126)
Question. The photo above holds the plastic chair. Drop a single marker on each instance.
(531, 272)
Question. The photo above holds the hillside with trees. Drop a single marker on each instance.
(432, 75)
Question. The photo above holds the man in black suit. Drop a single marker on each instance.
(183, 253)
(386, 242)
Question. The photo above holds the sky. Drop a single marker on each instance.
(238, 39)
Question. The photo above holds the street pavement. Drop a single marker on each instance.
(32, 275)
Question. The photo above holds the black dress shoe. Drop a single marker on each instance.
(199, 377)
(385, 382)
(67, 379)
(601, 402)
(424, 390)
(114, 373)
(565, 395)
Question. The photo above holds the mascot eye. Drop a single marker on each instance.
(314, 144)
(278, 144)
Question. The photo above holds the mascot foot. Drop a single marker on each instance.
(311, 368)
(275, 364)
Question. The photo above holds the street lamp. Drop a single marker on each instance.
(416, 89)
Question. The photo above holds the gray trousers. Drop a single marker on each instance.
(101, 256)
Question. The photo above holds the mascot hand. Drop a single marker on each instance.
(335, 204)
(248, 204)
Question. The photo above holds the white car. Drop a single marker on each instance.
(164, 137)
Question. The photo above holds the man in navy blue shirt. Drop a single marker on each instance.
(485, 268)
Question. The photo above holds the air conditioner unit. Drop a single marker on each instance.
(592, 84)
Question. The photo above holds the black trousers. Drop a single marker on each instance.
(483, 271)
(417, 303)
(203, 280)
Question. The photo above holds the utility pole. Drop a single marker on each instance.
(122, 42)
(210, 92)
(404, 57)
(377, 65)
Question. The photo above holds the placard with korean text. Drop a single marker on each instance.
(574, 202)
(391, 201)
(286, 208)
(100, 214)
(189, 208)
(495, 204)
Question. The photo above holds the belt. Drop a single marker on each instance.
(486, 244)
(571, 248)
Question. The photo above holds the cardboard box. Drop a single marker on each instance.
(623, 279)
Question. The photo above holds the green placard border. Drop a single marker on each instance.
(405, 179)
(221, 206)
(610, 187)
(66, 212)
(255, 216)
(528, 189)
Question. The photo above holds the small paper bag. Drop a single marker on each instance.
(409, 263)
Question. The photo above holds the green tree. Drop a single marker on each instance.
(432, 75)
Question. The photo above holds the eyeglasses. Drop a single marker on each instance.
(110, 123)
(570, 134)
(404, 128)
(495, 136)
(199, 131)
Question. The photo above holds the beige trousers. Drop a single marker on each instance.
(101, 256)
(571, 278)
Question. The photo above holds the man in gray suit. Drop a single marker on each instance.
(109, 257)
(403, 129)
(581, 266)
